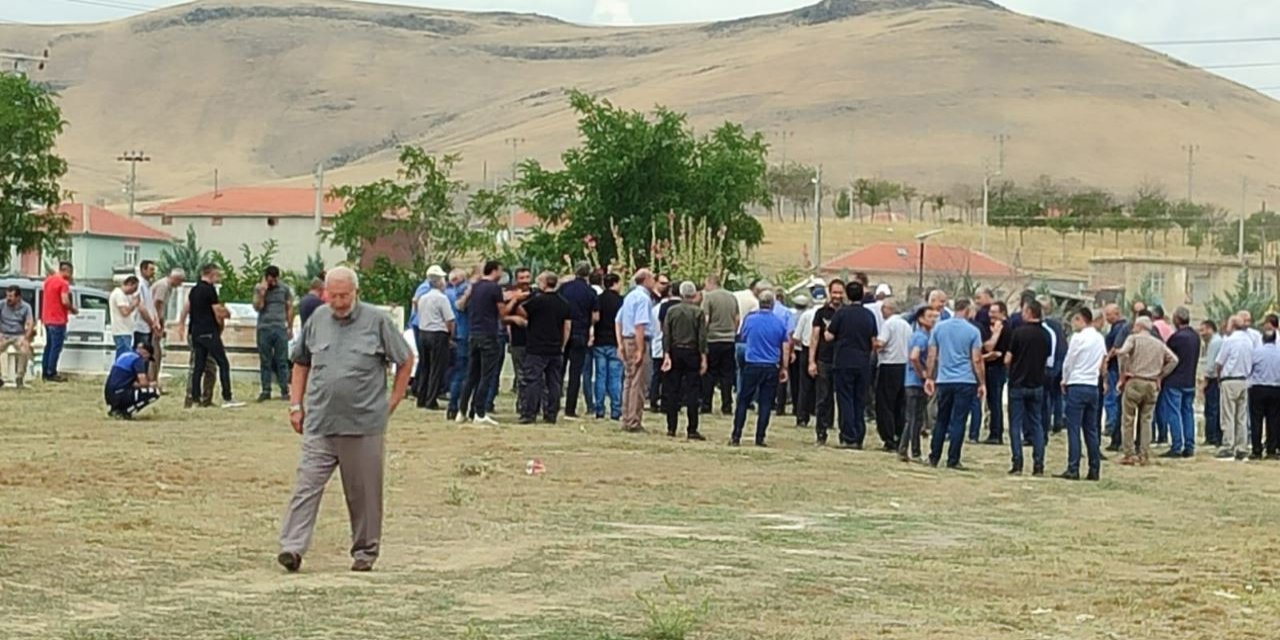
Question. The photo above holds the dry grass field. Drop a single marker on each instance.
(165, 528)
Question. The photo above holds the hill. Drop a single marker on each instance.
(913, 90)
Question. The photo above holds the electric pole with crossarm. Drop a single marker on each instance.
(133, 158)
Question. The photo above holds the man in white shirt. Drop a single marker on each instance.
(124, 303)
(895, 338)
(801, 339)
(1082, 371)
(146, 326)
(1234, 364)
(436, 325)
(1209, 375)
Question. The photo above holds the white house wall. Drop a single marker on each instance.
(296, 237)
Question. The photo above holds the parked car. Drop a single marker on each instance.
(84, 298)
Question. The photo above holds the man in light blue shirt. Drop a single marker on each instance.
(1264, 397)
(913, 383)
(632, 327)
(1234, 364)
(956, 373)
(457, 373)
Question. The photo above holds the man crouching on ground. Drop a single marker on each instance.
(340, 376)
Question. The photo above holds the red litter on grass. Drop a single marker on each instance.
(534, 467)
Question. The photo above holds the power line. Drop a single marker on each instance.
(1246, 65)
(115, 4)
(1172, 43)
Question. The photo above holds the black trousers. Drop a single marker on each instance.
(130, 401)
(1264, 406)
(890, 403)
(656, 381)
(575, 353)
(722, 369)
(484, 356)
(804, 388)
(202, 348)
(541, 381)
(433, 354)
(683, 388)
(824, 401)
(851, 384)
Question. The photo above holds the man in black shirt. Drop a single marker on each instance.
(486, 306)
(995, 344)
(313, 300)
(1029, 351)
(604, 351)
(549, 328)
(820, 366)
(585, 309)
(517, 331)
(853, 329)
(206, 317)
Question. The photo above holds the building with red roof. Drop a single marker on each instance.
(99, 243)
(898, 264)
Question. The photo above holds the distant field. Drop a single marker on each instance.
(165, 528)
(1040, 251)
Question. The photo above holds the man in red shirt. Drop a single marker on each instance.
(55, 308)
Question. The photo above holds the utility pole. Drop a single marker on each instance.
(1000, 140)
(1191, 149)
(318, 183)
(817, 220)
(1244, 196)
(133, 158)
(515, 164)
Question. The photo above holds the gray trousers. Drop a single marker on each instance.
(361, 460)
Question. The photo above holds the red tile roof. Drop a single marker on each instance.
(250, 202)
(102, 222)
(904, 257)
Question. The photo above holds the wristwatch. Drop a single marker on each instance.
(295, 408)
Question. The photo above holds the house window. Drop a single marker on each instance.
(1154, 284)
(131, 254)
(166, 221)
(271, 222)
(216, 221)
(1261, 285)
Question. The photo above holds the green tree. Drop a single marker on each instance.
(843, 206)
(631, 173)
(875, 192)
(238, 282)
(1241, 298)
(1150, 211)
(30, 122)
(186, 255)
(908, 194)
(418, 209)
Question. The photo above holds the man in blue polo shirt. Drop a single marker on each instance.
(768, 353)
(128, 390)
(956, 373)
(1114, 339)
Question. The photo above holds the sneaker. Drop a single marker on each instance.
(697, 436)
(957, 467)
(362, 566)
(762, 445)
(290, 561)
(1241, 457)
(461, 418)
(572, 417)
(451, 415)
(485, 420)
(1015, 471)
(1067, 475)
(1171, 454)
(263, 397)
(232, 404)
(525, 421)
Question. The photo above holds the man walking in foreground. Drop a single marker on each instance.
(1144, 362)
(767, 356)
(274, 303)
(1030, 347)
(340, 377)
(684, 333)
(632, 327)
(1081, 372)
(956, 373)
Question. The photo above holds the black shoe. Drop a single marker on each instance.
(1015, 471)
(856, 446)
(671, 433)
(1037, 472)
(525, 421)
(697, 436)
(726, 411)
(762, 445)
(290, 561)
(263, 397)
(1113, 447)
(1171, 454)
(433, 406)
(973, 441)
(284, 397)
(933, 462)
(451, 415)
(551, 421)
(993, 441)
(1092, 477)
(957, 467)
(1067, 475)
(734, 443)
(890, 447)
(362, 566)
(820, 442)
(1241, 457)
(1102, 457)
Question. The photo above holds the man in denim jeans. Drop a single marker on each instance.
(1179, 389)
(604, 350)
(54, 311)
(274, 303)
(1029, 348)
(456, 376)
(956, 374)
(1084, 366)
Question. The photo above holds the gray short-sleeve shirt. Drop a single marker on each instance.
(13, 321)
(274, 301)
(434, 312)
(346, 391)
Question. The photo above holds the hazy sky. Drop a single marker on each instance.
(1134, 20)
